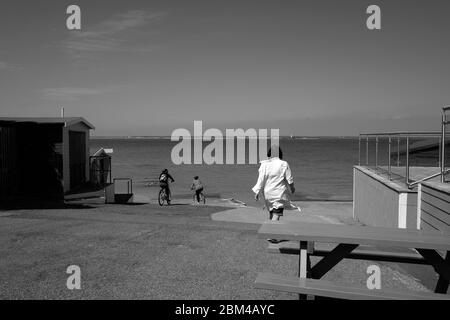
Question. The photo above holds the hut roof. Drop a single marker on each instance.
(102, 152)
(68, 121)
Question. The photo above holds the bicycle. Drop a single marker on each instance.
(201, 197)
(162, 196)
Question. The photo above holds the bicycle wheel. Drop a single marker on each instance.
(202, 198)
(161, 197)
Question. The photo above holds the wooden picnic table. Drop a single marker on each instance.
(429, 245)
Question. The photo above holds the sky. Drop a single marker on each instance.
(307, 68)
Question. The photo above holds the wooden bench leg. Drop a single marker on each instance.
(442, 284)
(302, 261)
(331, 259)
(440, 265)
(304, 264)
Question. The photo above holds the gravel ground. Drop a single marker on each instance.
(144, 251)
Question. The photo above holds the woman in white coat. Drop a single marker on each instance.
(276, 182)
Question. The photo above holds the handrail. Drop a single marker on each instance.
(444, 123)
(129, 183)
(436, 134)
(407, 135)
(427, 178)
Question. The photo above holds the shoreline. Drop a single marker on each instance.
(140, 197)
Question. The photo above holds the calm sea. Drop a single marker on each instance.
(322, 168)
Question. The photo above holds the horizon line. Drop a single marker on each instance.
(223, 137)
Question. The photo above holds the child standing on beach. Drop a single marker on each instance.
(198, 187)
(164, 183)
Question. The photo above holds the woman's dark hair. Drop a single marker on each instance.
(196, 177)
(275, 151)
(165, 171)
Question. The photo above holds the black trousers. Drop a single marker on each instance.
(278, 211)
(165, 186)
(197, 194)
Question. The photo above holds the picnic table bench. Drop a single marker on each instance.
(360, 253)
(428, 246)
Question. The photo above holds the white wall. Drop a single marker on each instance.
(377, 204)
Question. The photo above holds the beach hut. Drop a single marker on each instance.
(100, 166)
(44, 158)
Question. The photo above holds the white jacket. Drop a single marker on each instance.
(274, 179)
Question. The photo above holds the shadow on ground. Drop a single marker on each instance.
(38, 205)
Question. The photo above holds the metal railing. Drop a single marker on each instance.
(129, 184)
(395, 138)
(444, 123)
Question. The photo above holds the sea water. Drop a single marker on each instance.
(322, 168)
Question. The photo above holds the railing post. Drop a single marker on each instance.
(443, 146)
(439, 154)
(407, 161)
(359, 150)
(367, 151)
(389, 161)
(376, 152)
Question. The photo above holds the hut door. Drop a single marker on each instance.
(77, 158)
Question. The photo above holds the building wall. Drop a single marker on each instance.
(80, 127)
(31, 161)
(434, 207)
(377, 204)
(8, 162)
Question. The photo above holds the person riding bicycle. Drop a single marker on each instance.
(198, 187)
(164, 183)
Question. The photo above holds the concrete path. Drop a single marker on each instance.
(315, 212)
